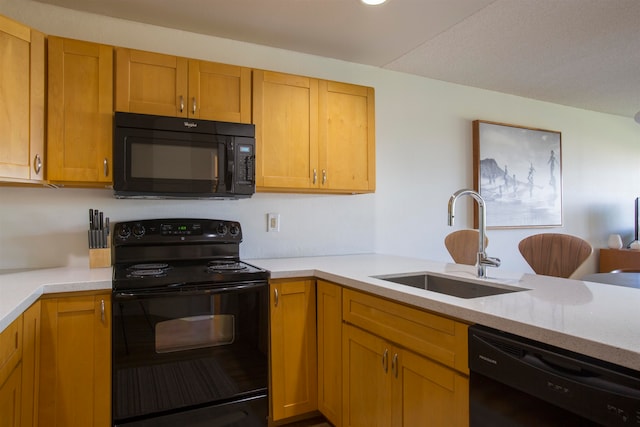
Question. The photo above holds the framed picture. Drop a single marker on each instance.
(518, 172)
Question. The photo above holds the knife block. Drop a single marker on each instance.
(99, 258)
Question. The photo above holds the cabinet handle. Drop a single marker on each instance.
(315, 176)
(275, 297)
(193, 105)
(181, 103)
(385, 365)
(106, 167)
(324, 176)
(394, 365)
(102, 314)
(37, 164)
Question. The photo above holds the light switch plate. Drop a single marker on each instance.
(273, 222)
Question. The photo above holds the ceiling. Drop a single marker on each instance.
(580, 53)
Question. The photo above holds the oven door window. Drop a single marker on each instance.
(180, 351)
(188, 333)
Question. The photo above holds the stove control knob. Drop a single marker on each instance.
(124, 231)
(222, 229)
(138, 230)
(235, 230)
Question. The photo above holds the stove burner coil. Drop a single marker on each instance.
(148, 270)
(225, 265)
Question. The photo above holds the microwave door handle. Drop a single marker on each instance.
(232, 173)
(231, 166)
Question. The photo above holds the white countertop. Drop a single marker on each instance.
(21, 288)
(598, 320)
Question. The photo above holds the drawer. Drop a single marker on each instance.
(10, 348)
(431, 335)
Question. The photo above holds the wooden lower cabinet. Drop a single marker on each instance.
(11, 374)
(293, 348)
(329, 330)
(386, 385)
(10, 392)
(402, 366)
(75, 362)
(19, 353)
(30, 365)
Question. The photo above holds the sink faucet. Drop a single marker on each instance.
(482, 260)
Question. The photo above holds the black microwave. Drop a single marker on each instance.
(171, 157)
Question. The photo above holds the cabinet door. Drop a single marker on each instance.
(80, 111)
(426, 393)
(75, 363)
(329, 307)
(10, 393)
(219, 92)
(293, 348)
(10, 348)
(285, 112)
(22, 83)
(30, 365)
(347, 137)
(151, 83)
(366, 390)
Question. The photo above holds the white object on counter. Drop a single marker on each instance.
(615, 241)
(635, 245)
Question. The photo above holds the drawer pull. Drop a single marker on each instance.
(102, 311)
(385, 364)
(275, 297)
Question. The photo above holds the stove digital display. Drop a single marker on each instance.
(181, 229)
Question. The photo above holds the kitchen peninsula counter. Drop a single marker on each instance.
(599, 320)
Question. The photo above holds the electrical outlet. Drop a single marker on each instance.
(273, 222)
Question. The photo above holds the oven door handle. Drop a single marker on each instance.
(176, 291)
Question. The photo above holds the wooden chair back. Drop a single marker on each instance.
(554, 254)
(463, 246)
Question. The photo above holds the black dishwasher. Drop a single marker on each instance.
(519, 382)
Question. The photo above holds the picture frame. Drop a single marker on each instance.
(518, 172)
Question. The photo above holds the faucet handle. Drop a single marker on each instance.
(490, 261)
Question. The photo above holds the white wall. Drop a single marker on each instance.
(423, 151)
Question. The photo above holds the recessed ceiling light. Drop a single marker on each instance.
(373, 2)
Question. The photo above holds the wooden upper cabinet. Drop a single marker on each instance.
(154, 83)
(22, 98)
(285, 113)
(80, 112)
(313, 135)
(347, 137)
(219, 92)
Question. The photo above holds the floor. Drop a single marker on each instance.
(314, 422)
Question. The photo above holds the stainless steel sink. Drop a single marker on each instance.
(450, 286)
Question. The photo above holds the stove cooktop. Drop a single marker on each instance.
(184, 274)
(179, 253)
